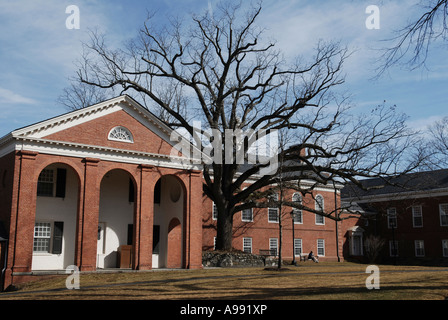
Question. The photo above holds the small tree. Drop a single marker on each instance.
(373, 245)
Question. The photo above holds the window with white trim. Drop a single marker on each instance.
(297, 213)
(273, 246)
(52, 182)
(319, 206)
(42, 236)
(391, 218)
(247, 245)
(297, 247)
(321, 247)
(45, 183)
(443, 210)
(121, 134)
(417, 217)
(393, 248)
(273, 211)
(445, 248)
(419, 248)
(247, 215)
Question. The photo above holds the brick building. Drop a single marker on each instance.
(98, 188)
(258, 228)
(410, 214)
(80, 188)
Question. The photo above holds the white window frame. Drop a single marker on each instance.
(443, 213)
(298, 247)
(319, 220)
(417, 214)
(247, 245)
(44, 178)
(125, 131)
(275, 196)
(393, 245)
(321, 247)
(273, 245)
(419, 245)
(298, 214)
(392, 215)
(271, 214)
(251, 219)
(445, 247)
(48, 235)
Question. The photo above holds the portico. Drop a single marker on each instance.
(78, 203)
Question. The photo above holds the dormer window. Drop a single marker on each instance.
(121, 134)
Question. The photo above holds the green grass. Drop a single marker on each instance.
(323, 281)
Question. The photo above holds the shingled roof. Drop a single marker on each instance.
(412, 182)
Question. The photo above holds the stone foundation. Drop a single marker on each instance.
(235, 259)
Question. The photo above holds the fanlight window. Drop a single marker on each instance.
(121, 134)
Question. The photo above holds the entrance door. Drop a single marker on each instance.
(100, 245)
(357, 245)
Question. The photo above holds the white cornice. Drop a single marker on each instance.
(47, 127)
(78, 150)
(62, 122)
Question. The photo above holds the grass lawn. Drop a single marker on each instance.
(323, 281)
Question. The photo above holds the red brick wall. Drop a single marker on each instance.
(432, 233)
(261, 230)
(6, 188)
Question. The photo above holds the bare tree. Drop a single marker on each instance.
(412, 43)
(233, 79)
(373, 245)
(438, 144)
(80, 95)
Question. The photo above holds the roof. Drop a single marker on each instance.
(35, 136)
(425, 181)
(39, 129)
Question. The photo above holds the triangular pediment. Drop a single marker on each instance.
(93, 125)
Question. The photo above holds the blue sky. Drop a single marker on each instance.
(37, 51)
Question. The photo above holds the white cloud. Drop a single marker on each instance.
(9, 97)
(298, 25)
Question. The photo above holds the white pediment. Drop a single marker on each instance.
(74, 118)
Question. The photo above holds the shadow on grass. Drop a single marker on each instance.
(194, 292)
(234, 287)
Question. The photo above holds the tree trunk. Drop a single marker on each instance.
(224, 230)
(280, 236)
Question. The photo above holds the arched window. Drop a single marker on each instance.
(121, 134)
(297, 213)
(319, 206)
(319, 203)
